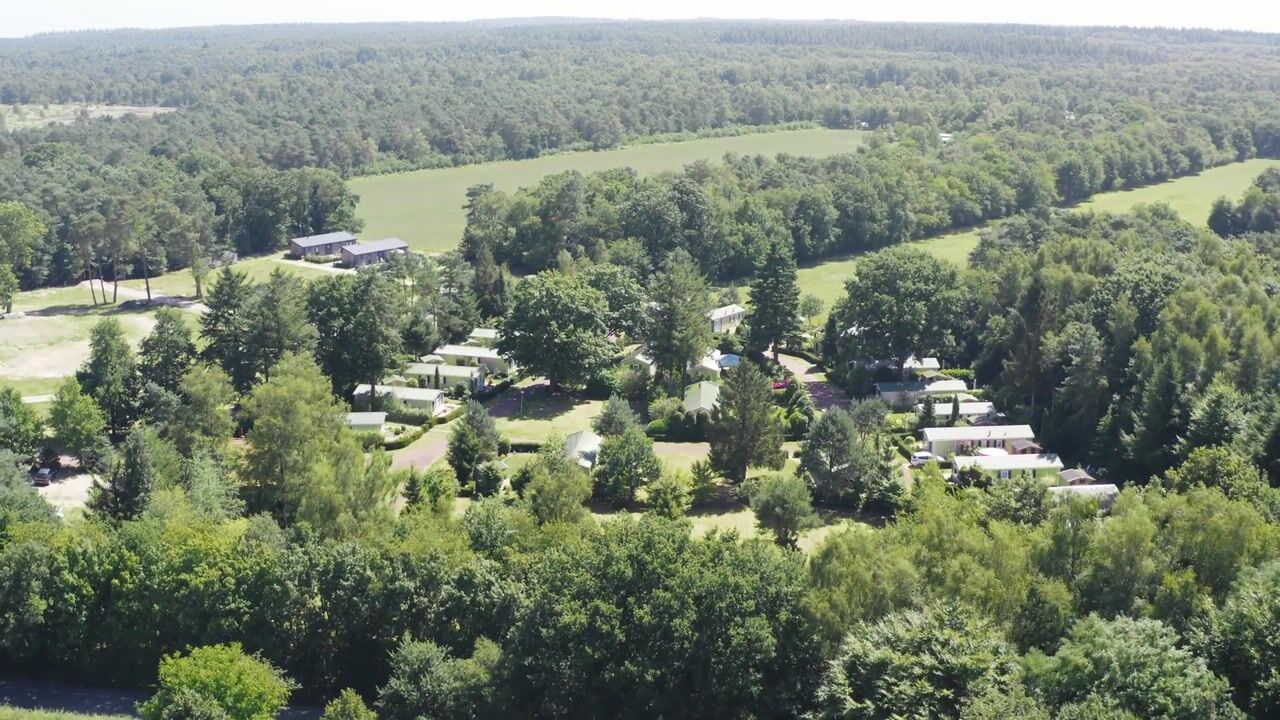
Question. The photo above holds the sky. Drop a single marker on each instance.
(26, 17)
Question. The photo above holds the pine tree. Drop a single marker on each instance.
(745, 431)
(775, 300)
(678, 331)
(110, 376)
(616, 417)
(472, 442)
(224, 328)
(1217, 419)
(133, 479)
(167, 351)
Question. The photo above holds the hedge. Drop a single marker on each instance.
(409, 416)
(959, 373)
(404, 438)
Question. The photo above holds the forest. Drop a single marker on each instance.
(242, 547)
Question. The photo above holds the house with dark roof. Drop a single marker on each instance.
(325, 244)
(371, 253)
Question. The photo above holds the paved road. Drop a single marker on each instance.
(825, 395)
(32, 694)
(424, 451)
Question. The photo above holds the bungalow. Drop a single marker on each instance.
(326, 244)
(1105, 494)
(701, 397)
(642, 362)
(968, 410)
(474, 355)
(484, 337)
(708, 368)
(365, 421)
(362, 254)
(410, 397)
(1007, 466)
(442, 376)
(922, 366)
(945, 441)
(1025, 447)
(726, 319)
(897, 392)
(582, 447)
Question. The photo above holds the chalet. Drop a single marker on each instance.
(945, 441)
(726, 319)
(582, 447)
(483, 337)
(1007, 466)
(372, 253)
(365, 421)
(701, 397)
(899, 392)
(326, 244)
(443, 376)
(410, 397)
(1105, 494)
(968, 410)
(708, 368)
(474, 355)
(642, 362)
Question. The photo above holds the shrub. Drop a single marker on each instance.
(222, 676)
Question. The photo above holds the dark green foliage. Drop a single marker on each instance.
(840, 466)
(652, 605)
(927, 663)
(473, 441)
(168, 351)
(133, 479)
(745, 431)
(678, 332)
(427, 682)
(110, 376)
(20, 430)
(624, 464)
(782, 506)
(1243, 645)
(775, 300)
(556, 328)
(1134, 663)
(358, 326)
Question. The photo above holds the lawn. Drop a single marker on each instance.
(8, 712)
(1192, 197)
(424, 207)
(826, 280)
(180, 282)
(533, 414)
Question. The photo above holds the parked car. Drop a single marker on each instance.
(42, 477)
(920, 458)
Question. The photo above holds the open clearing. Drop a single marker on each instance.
(18, 117)
(50, 339)
(424, 207)
(1192, 196)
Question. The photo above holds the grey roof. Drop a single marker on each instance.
(475, 351)
(401, 393)
(701, 396)
(445, 370)
(979, 432)
(366, 418)
(377, 246)
(324, 239)
(1074, 476)
(583, 447)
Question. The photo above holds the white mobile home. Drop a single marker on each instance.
(900, 392)
(1007, 466)
(726, 319)
(943, 441)
(443, 376)
(968, 410)
(410, 397)
(474, 355)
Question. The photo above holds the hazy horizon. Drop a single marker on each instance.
(85, 15)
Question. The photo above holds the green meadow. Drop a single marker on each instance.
(425, 207)
(1192, 196)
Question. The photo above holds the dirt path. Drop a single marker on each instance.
(825, 395)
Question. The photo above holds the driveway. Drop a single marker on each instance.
(424, 451)
(825, 395)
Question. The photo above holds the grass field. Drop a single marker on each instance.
(18, 117)
(1192, 197)
(826, 280)
(8, 712)
(180, 282)
(424, 207)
